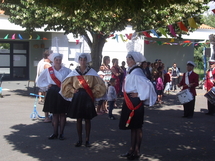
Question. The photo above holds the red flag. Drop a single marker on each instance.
(146, 34)
(182, 26)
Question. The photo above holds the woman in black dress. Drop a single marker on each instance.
(50, 79)
(138, 90)
(82, 86)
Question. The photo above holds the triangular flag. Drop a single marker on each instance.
(116, 38)
(77, 42)
(172, 31)
(129, 36)
(192, 23)
(182, 26)
(6, 37)
(111, 35)
(159, 42)
(155, 33)
(20, 37)
(162, 32)
(30, 37)
(146, 34)
(172, 40)
(146, 42)
(122, 37)
(13, 36)
(38, 37)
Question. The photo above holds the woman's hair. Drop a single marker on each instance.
(114, 60)
(46, 54)
(112, 80)
(159, 73)
(105, 59)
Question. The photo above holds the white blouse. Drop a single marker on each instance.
(136, 82)
(44, 80)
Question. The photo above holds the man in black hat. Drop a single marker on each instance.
(189, 81)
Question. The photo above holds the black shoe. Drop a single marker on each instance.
(78, 144)
(125, 155)
(87, 144)
(133, 157)
(61, 137)
(53, 136)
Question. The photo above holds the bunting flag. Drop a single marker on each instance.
(162, 32)
(13, 36)
(159, 42)
(182, 26)
(122, 37)
(6, 37)
(172, 31)
(77, 42)
(112, 35)
(172, 40)
(116, 38)
(192, 22)
(30, 37)
(155, 33)
(128, 36)
(146, 34)
(20, 37)
(38, 37)
(146, 42)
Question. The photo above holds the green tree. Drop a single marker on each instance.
(100, 18)
(209, 20)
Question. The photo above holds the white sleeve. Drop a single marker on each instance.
(145, 90)
(42, 81)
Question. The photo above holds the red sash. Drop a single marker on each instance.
(83, 82)
(131, 107)
(54, 78)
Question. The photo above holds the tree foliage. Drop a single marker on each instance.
(101, 18)
(209, 20)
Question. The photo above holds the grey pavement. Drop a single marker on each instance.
(166, 136)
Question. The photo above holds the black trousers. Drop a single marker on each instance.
(174, 83)
(189, 108)
(211, 108)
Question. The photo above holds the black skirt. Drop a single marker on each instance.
(54, 102)
(136, 120)
(81, 106)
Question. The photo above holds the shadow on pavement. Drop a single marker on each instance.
(166, 137)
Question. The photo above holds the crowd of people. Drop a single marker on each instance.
(73, 93)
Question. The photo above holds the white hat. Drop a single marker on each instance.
(86, 55)
(137, 56)
(101, 73)
(191, 63)
(54, 55)
(211, 60)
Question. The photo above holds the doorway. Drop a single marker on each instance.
(14, 58)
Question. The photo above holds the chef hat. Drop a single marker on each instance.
(191, 63)
(54, 55)
(83, 55)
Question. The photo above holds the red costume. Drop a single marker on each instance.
(193, 78)
(210, 77)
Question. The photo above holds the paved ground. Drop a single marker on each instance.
(167, 136)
